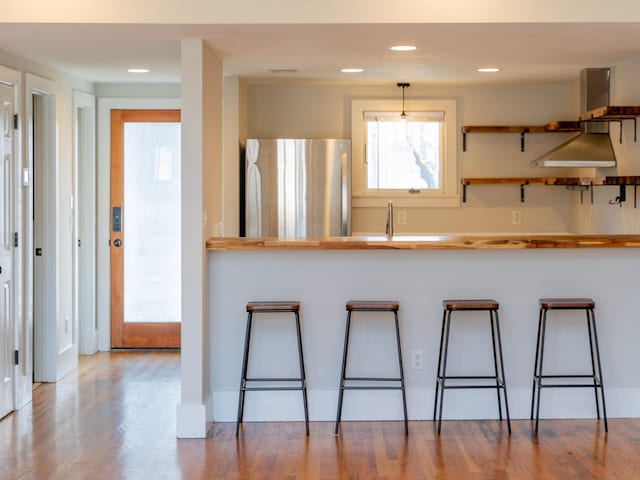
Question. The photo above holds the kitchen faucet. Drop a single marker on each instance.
(389, 230)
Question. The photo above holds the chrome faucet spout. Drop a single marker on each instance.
(389, 230)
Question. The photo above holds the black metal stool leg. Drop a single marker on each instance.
(343, 371)
(444, 368)
(439, 373)
(593, 364)
(303, 375)
(495, 361)
(243, 375)
(535, 363)
(504, 381)
(544, 326)
(404, 399)
(595, 338)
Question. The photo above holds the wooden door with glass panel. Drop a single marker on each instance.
(145, 228)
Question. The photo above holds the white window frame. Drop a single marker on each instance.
(447, 196)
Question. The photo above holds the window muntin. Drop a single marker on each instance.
(404, 154)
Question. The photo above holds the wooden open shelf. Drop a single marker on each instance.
(559, 126)
(584, 182)
(611, 113)
(602, 114)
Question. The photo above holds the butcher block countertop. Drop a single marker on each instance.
(427, 242)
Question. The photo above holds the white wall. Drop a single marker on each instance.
(316, 110)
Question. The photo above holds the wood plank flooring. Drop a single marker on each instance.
(115, 419)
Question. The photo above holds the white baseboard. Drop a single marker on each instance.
(387, 405)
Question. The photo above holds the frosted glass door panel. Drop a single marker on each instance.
(152, 222)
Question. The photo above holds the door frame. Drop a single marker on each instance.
(43, 309)
(105, 105)
(13, 78)
(84, 225)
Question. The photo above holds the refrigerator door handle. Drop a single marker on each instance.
(346, 194)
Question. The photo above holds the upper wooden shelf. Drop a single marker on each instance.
(559, 126)
(602, 114)
(611, 113)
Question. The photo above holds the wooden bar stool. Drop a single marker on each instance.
(587, 305)
(371, 306)
(490, 306)
(271, 307)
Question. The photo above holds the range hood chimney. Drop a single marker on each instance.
(593, 147)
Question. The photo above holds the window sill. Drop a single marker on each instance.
(381, 200)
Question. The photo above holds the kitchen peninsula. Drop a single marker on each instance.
(419, 272)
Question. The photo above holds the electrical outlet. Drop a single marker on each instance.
(402, 217)
(417, 359)
(516, 218)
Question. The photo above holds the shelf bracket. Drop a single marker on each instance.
(591, 192)
(620, 123)
(522, 141)
(621, 198)
(635, 196)
(464, 141)
(635, 130)
(522, 192)
(464, 193)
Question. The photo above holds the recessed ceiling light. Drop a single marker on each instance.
(352, 70)
(489, 70)
(402, 48)
(138, 70)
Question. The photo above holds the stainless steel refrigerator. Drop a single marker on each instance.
(297, 188)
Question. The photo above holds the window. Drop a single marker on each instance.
(404, 154)
(411, 161)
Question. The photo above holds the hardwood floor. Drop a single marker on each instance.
(115, 419)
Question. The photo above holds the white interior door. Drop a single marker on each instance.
(7, 369)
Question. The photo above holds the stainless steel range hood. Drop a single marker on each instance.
(593, 147)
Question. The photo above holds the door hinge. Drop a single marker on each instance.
(15, 121)
(15, 239)
(16, 357)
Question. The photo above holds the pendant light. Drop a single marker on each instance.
(403, 85)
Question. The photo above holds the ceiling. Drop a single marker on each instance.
(446, 53)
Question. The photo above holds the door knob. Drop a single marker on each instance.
(117, 242)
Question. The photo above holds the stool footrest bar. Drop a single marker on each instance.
(366, 387)
(274, 379)
(256, 389)
(373, 379)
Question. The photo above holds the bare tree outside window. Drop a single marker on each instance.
(404, 154)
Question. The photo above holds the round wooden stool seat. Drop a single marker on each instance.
(278, 306)
(568, 303)
(372, 306)
(470, 304)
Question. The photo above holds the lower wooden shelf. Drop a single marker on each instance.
(581, 182)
